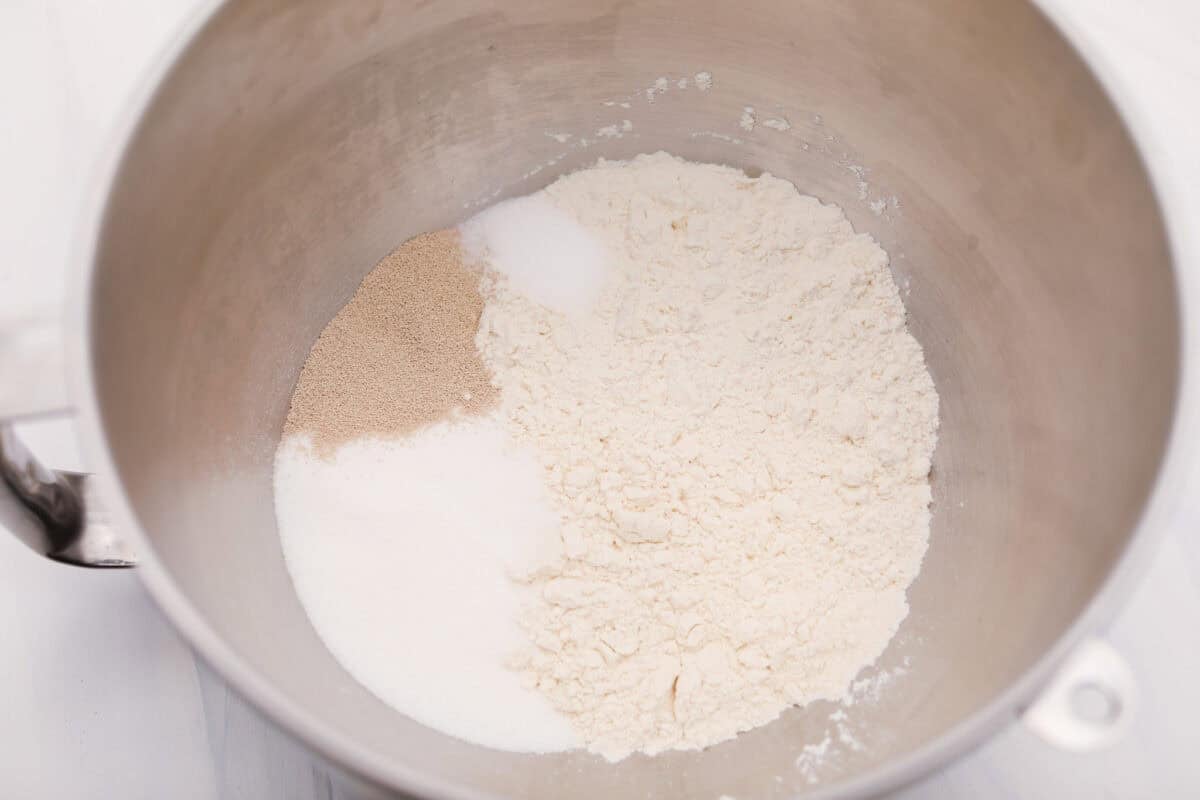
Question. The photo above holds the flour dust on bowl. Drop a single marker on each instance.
(290, 149)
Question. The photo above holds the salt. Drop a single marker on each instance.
(401, 553)
(541, 249)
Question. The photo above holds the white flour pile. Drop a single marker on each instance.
(707, 470)
(738, 442)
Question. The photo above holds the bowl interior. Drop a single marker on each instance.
(293, 145)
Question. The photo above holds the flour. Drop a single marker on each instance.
(660, 86)
(748, 119)
(736, 439)
(811, 758)
(615, 131)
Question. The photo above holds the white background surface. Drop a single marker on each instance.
(100, 699)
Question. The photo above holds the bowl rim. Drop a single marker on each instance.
(1177, 473)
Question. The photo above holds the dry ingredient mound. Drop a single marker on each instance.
(737, 440)
(400, 355)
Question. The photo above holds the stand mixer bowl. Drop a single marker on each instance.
(284, 148)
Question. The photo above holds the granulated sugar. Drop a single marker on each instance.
(400, 355)
(543, 252)
(401, 551)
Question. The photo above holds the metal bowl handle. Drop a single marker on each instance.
(1060, 716)
(55, 513)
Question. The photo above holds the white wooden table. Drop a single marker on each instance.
(100, 699)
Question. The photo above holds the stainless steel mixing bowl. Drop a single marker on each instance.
(285, 147)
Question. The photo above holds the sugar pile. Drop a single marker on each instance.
(401, 553)
(543, 252)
